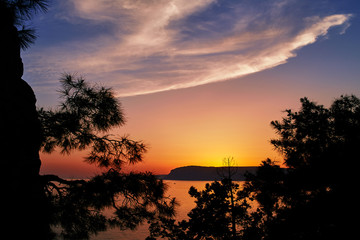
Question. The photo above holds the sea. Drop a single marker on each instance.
(177, 189)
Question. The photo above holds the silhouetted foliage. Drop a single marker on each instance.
(77, 205)
(227, 173)
(210, 219)
(85, 112)
(43, 206)
(17, 13)
(313, 198)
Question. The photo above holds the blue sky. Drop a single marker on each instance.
(141, 47)
(198, 80)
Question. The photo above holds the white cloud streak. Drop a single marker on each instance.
(156, 45)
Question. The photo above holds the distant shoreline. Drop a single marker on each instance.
(199, 173)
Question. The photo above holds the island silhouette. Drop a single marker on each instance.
(201, 173)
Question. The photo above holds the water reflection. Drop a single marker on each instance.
(177, 189)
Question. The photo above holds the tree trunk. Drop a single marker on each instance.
(233, 223)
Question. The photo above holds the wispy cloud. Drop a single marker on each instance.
(153, 46)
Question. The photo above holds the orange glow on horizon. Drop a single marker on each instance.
(190, 127)
(193, 91)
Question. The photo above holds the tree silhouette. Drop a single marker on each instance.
(312, 198)
(227, 173)
(212, 218)
(77, 205)
(15, 15)
(85, 112)
(33, 204)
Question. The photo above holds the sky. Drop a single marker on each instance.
(198, 80)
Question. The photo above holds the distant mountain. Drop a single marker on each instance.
(197, 173)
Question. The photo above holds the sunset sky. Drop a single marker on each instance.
(198, 80)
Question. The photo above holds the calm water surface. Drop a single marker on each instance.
(177, 189)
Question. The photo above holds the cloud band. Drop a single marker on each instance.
(153, 46)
